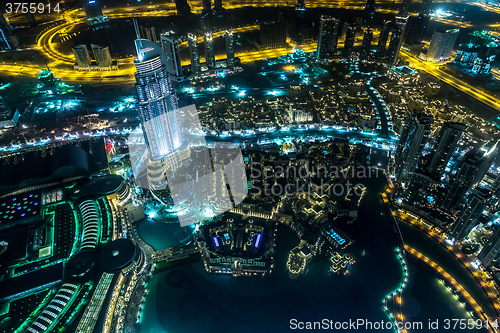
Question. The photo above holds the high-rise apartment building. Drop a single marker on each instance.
(411, 144)
(194, 54)
(448, 139)
(442, 44)
(470, 214)
(102, 56)
(328, 37)
(209, 50)
(396, 39)
(230, 48)
(170, 46)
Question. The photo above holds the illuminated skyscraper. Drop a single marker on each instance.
(411, 144)
(328, 37)
(442, 44)
(349, 41)
(470, 214)
(382, 40)
(447, 142)
(491, 249)
(194, 54)
(209, 50)
(170, 46)
(471, 170)
(82, 56)
(102, 56)
(230, 48)
(396, 39)
(157, 103)
(366, 45)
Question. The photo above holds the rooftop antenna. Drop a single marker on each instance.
(138, 43)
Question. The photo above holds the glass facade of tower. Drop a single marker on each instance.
(230, 48)
(209, 48)
(194, 54)
(157, 107)
(328, 36)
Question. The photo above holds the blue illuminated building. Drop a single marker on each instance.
(157, 102)
(476, 55)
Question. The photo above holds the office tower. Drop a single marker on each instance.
(82, 55)
(416, 29)
(209, 50)
(411, 144)
(477, 53)
(182, 7)
(93, 10)
(349, 41)
(464, 179)
(272, 35)
(157, 103)
(490, 251)
(471, 213)
(170, 46)
(148, 33)
(442, 44)
(194, 54)
(328, 37)
(448, 139)
(418, 188)
(396, 39)
(382, 40)
(230, 48)
(102, 56)
(366, 45)
(418, 24)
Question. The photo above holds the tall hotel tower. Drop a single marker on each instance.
(159, 113)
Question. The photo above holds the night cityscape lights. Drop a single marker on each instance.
(249, 166)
